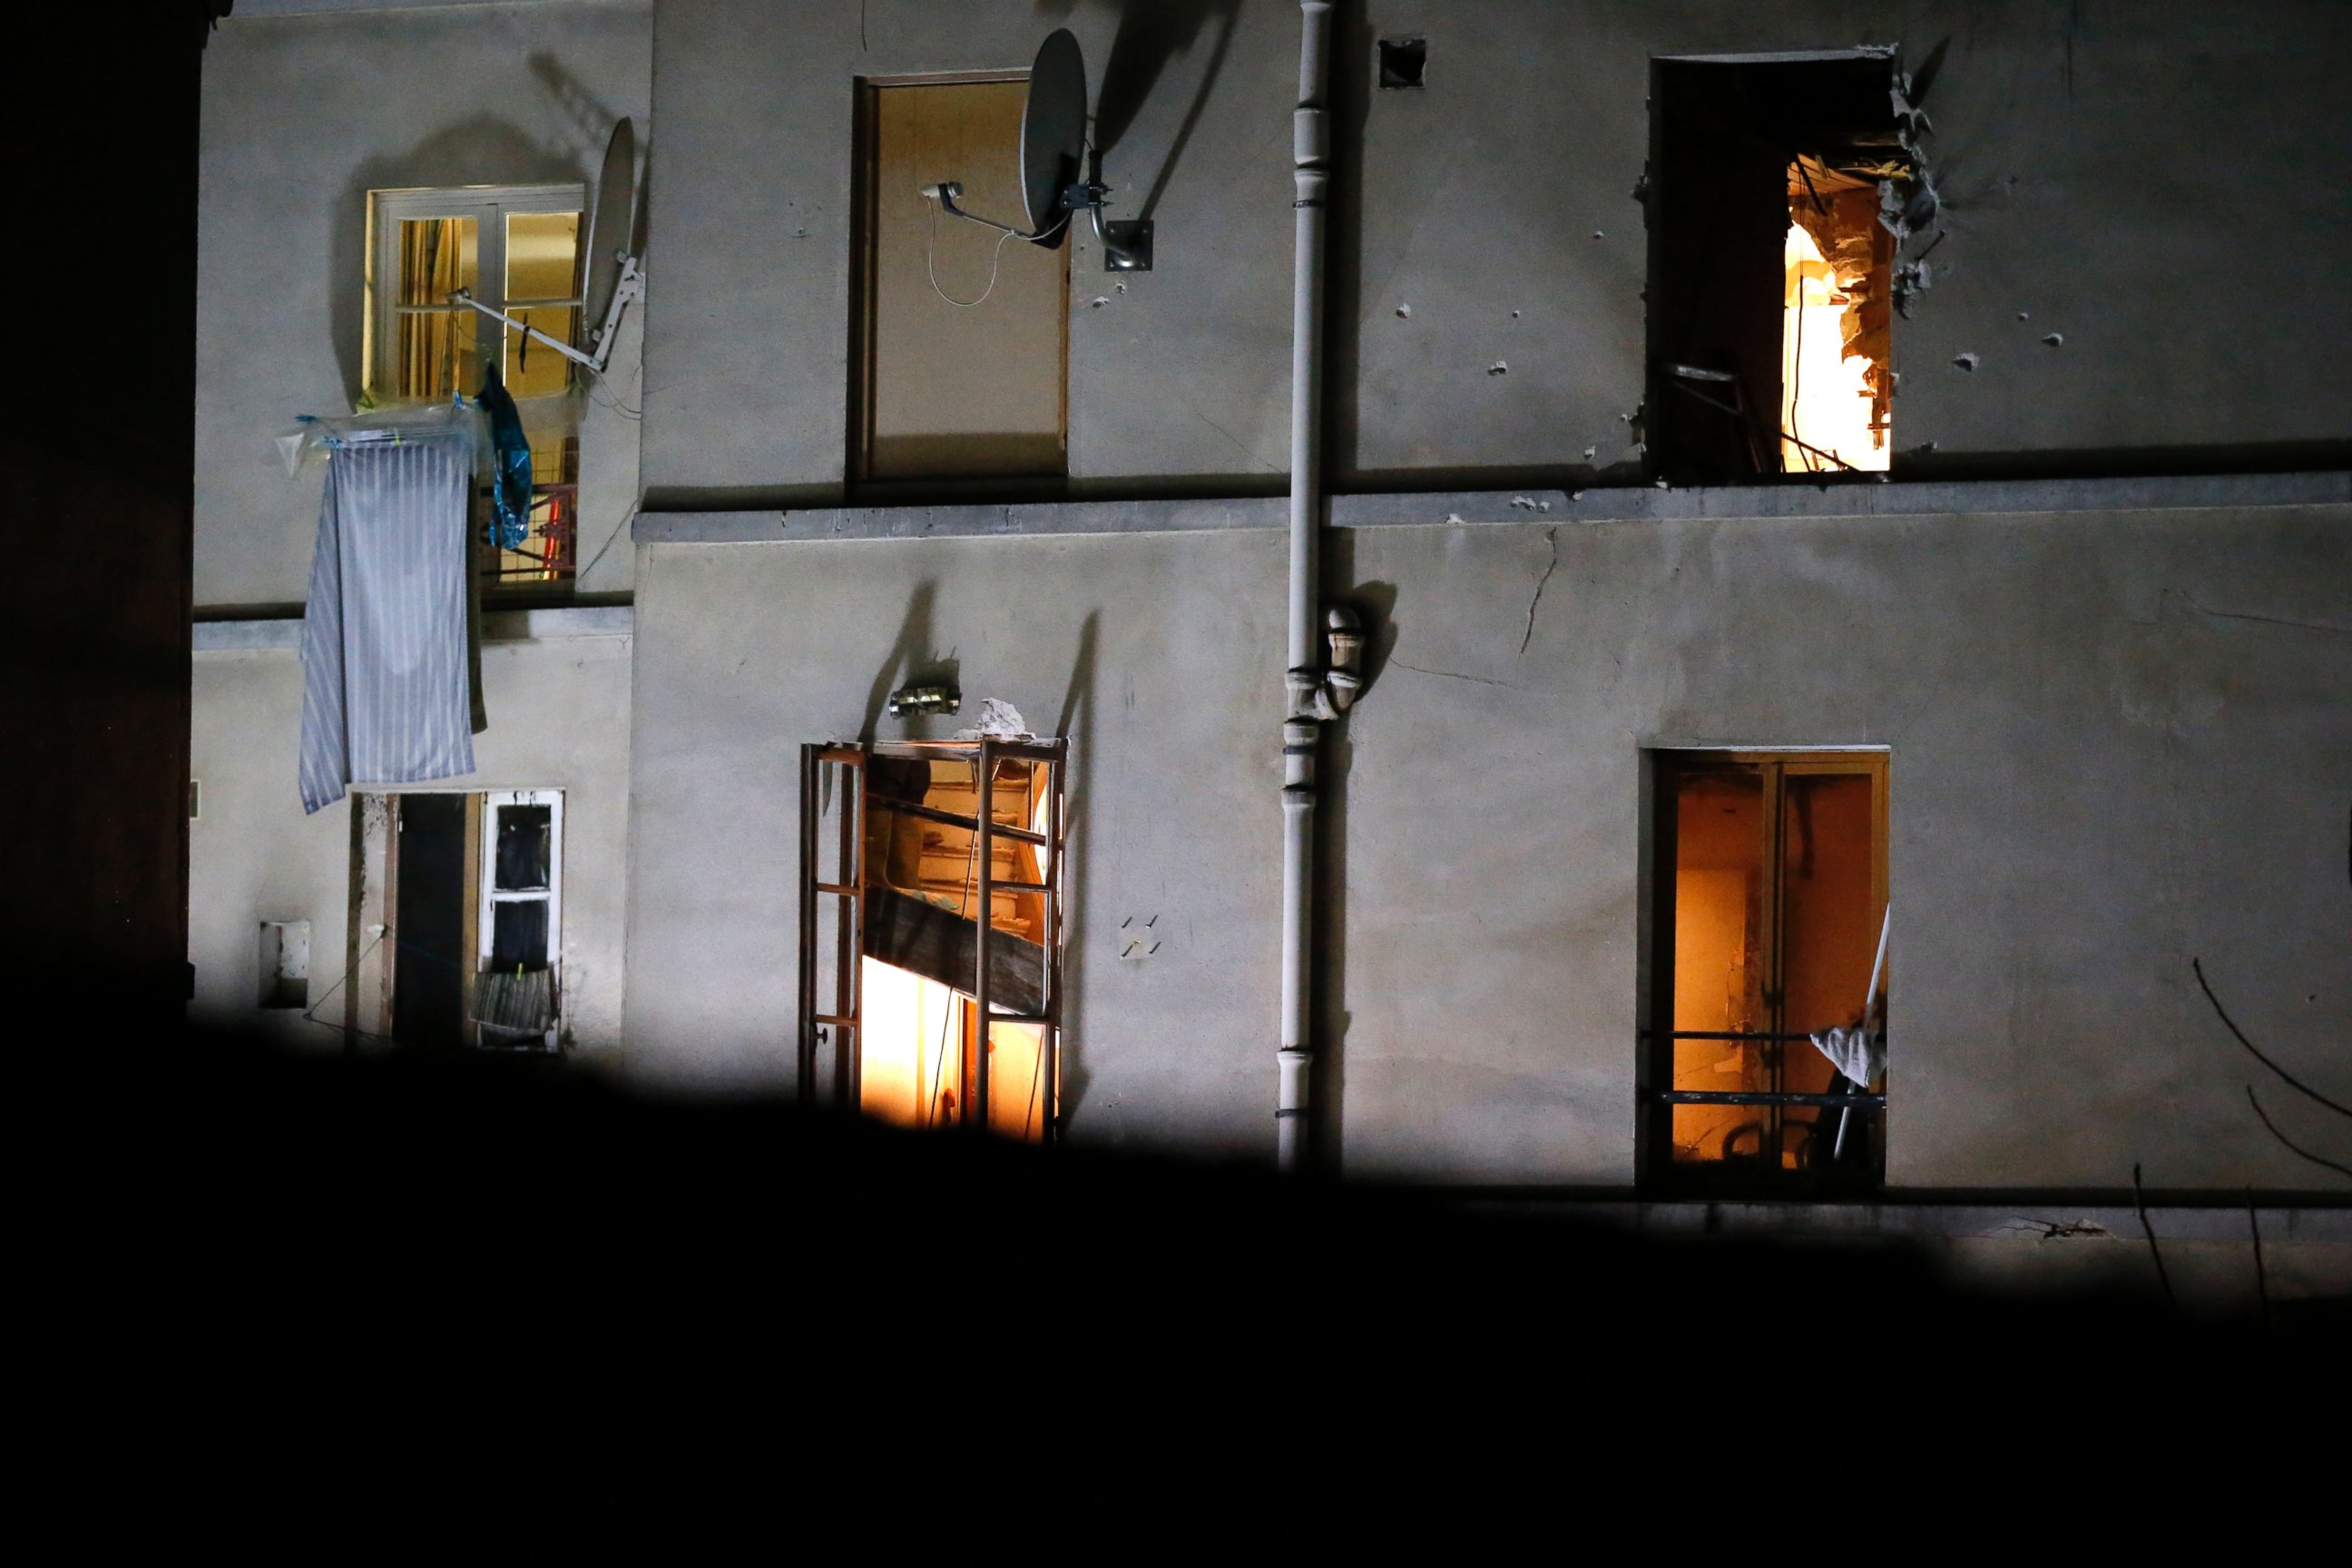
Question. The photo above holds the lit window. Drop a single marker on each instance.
(916, 925)
(515, 248)
(1770, 910)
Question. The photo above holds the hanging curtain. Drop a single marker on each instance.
(431, 265)
(385, 690)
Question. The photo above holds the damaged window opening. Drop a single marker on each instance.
(1778, 194)
(930, 900)
(1768, 914)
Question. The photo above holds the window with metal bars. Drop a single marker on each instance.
(1768, 914)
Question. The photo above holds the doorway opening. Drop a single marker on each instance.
(462, 892)
(1769, 918)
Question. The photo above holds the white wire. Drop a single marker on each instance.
(994, 257)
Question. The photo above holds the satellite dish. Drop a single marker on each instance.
(611, 222)
(1057, 178)
(1053, 129)
(611, 277)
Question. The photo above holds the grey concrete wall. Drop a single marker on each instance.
(2097, 164)
(2119, 740)
(559, 714)
(303, 115)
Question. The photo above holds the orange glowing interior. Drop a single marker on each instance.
(1835, 384)
(1778, 892)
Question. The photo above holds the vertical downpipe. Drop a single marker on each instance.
(1301, 733)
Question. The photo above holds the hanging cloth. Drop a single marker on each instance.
(509, 463)
(386, 696)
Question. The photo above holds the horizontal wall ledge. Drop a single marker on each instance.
(498, 626)
(2030, 1217)
(1843, 498)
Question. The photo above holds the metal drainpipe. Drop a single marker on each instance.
(1301, 730)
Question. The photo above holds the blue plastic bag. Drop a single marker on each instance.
(509, 464)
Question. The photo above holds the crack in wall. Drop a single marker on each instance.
(1551, 537)
(2270, 620)
(1452, 674)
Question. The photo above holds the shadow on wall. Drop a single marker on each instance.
(1150, 34)
(911, 661)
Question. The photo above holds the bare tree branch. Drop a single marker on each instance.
(2292, 1082)
(2342, 1170)
(2163, 1278)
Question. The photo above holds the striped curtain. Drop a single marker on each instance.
(386, 695)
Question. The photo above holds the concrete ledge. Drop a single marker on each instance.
(1844, 497)
(498, 626)
(2028, 1219)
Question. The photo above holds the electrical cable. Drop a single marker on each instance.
(995, 258)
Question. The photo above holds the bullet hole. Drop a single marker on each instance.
(1965, 362)
(1515, 315)
(1098, 301)
(2054, 339)
(2024, 316)
(1404, 62)
(1598, 234)
(1591, 452)
(1404, 312)
(1498, 368)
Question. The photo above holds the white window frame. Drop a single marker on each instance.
(489, 207)
(485, 922)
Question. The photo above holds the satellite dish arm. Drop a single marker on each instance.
(632, 286)
(946, 191)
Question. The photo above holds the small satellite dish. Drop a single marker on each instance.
(1059, 178)
(1053, 129)
(611, 222)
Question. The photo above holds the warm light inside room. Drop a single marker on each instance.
(920, 1042)
(1777, 896)
(1835, 384)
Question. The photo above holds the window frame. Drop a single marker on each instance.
(1655, 1168)
(488, 895)
(489, 207)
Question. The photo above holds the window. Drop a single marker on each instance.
(515, 248)
(930, 933)
(1768, 913)
(961, 369)
(1772, 273)
(468, 888)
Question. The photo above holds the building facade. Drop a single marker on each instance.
(2058, 636)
